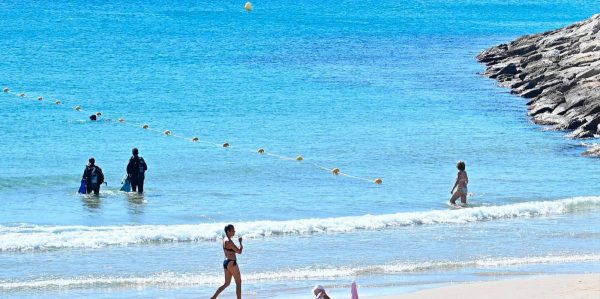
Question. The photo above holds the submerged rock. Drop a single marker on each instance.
(558, 71)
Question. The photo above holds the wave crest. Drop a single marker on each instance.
(33, 237)
(308, 273)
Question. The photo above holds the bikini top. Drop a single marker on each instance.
(227, 249)
(462, 178)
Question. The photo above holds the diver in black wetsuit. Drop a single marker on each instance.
(136, 169)
(93, 176)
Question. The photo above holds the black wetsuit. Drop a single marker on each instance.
(136, 169)
(93, 177)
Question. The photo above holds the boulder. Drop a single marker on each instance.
(558, 71)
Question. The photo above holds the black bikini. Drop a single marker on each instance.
(226, 261)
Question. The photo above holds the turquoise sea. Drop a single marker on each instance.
(379, 89)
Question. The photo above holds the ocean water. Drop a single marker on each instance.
(378, 89)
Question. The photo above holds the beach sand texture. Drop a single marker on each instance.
(583, 286)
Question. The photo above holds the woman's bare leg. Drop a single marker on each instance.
(225, 284)
(237, 277)
(455, 196)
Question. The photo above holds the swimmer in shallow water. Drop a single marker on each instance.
(462, 180)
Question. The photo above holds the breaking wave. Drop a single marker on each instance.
(26, 237)
(308, 273)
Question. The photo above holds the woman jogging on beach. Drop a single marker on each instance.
(230, 266)
(460, 185)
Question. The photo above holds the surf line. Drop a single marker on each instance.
(261, 151)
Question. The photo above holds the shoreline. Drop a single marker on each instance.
(581, 286)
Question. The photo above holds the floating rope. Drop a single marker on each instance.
(335, 171)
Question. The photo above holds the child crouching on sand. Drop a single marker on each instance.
(319, 292)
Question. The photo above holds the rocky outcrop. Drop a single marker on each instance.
(558, 71)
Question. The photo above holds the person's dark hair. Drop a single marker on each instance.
(93, 117)
(135, 151)
(228, 227)
(92, 160)
(461, 165)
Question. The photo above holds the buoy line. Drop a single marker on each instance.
(261, 151)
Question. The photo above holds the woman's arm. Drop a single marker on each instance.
(230, 245)
(455, 184)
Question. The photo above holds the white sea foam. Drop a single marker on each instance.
(310, 273)
(33, 237)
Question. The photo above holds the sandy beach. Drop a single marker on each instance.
(581, 286)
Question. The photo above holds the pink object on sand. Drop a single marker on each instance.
(354, 291)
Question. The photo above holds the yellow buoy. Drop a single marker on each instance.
(22, 95)
(248, 6)
(261, 151)
(378, 181)
(195, 139)
(335, 171)
(57, 102)
(225, 144)
(6, 89)
(167, 132)
(40, 98)
(145, 126)
(299, 158)
(77, 108)
(121, 120)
